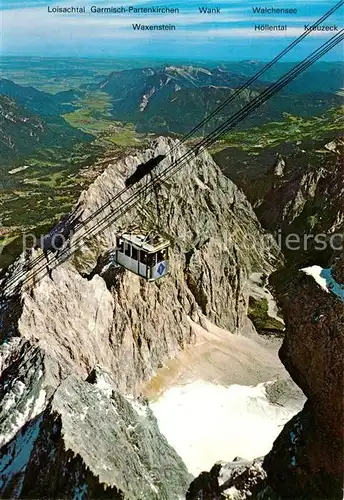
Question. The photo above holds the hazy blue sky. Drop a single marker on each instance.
(28, 29)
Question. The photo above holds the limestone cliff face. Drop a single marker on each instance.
(307, 458)
(127, 325)
(294, 187)
(215, 236)
(311, 446)
(89, 441)
(90, 313)
(295, 198)
(237, 480)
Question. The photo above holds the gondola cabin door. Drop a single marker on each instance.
(146, 256)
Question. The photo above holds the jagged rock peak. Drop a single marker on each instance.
(216, 242)
(236, 480)
(92, 441)
(307, 459)
(90, 313)
(311, 445)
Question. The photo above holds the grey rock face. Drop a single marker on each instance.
(216, 243)
(68, 434)
(214, 233)
(288, 183)
(27, 381)
(310, 447)
(237, 480)
(93, 442)
(28, 377)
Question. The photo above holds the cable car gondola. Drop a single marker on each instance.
(147, 256)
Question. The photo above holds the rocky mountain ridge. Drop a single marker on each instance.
(139, 86)
(88, 314)
(170, 99)
(298, 190)
(306, 461)
(37, 101)
(23, 132)
(48, 448)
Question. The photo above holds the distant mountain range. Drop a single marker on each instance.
(164, 100)
(40, 102)
(23, 132)
(151, 97)
(139, 86)
(321, 77)
(173, 99)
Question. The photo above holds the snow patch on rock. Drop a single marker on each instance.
(325, 279)
(7, 348)
(18, 454)
(205, 422)
(19, 418)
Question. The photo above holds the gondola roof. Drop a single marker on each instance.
(150, 243)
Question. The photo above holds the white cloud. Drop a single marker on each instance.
(30, 26)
